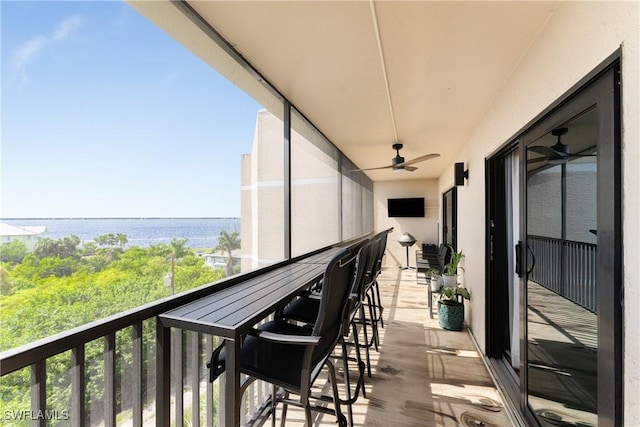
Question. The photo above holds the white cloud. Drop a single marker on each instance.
(68, 27)
(29, 51)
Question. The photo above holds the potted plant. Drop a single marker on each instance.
(435, 279)
(451, 307)
(450, 272)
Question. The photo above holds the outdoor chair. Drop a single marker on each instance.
(377, 301)
(291, 357)
(305, 309)
(372, 291)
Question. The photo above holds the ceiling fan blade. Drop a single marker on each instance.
(546, 151)
(420, 159)
(410, 168)
(371, 169)
(583, 155)
(538, 159)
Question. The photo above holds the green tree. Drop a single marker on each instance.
(5, 284)
(111, 239)
(13, 252)
(89, 249)
(179, 247)
(60, 248)
(51, 294)
(228, 242)
(122, 239)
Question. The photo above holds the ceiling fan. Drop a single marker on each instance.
(558, 153)
(398, 163)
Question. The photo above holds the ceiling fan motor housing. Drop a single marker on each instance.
(398, 158)
(562, 149)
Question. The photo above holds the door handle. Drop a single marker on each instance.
(519, 259)
(519, 262)
(533, 260)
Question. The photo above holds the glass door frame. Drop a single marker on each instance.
(600, 87)
(602, 92)
(453, 215)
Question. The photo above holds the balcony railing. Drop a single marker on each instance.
(565, 267)
(132, 331)
(124, 357)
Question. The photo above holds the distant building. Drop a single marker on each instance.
(27, 235)
(219, 259)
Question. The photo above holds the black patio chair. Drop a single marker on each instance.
(305, 309)
(376, 301)
(372, 295)
(290, 356)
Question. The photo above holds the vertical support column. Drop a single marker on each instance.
(208, 349)
(178, 379)
(232, 397)
(78, 386)
(109, 379)
(287, 179)
(39, 392)
(340, 198)
(136, 338)
(193, 338)
(163, 375)
(563, 244)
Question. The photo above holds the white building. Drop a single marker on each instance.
(28, 235)
(219, 259)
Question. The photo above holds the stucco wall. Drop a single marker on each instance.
(578, 37)
(262, 195)
(425, 230)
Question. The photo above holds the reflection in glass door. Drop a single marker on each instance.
(562, 317)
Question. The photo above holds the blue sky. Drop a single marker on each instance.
(104, 115)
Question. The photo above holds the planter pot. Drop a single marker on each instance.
(451, 281)
(450, 315)
(435, 283)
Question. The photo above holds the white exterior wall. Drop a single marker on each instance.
(262, 199)
(425, 230)
(578, 37)
(315, 198)
(28, 240)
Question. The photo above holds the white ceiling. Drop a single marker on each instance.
(445, 62)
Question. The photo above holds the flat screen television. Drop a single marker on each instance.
(406, 208)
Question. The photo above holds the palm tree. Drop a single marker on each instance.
(228, 242)
(122, 239)
(179, 247)
(178, 250)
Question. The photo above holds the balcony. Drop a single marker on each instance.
(421, 374)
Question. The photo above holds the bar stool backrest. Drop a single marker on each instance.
(335, 290)
(359, 285)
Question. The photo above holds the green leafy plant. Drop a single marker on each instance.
(449, 294)
(451, 268)
(433, 272)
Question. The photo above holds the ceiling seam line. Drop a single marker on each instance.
(374, 18)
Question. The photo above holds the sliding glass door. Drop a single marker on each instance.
(562, 315)
(503, 310)
(554, 270)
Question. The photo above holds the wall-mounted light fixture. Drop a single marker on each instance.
(460, 173)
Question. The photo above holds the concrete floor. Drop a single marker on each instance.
(423, 375)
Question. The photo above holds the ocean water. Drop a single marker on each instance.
(202, 233)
